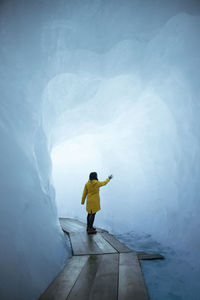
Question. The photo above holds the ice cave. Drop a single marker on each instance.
(100, 85)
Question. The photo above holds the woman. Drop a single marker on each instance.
(91, 190)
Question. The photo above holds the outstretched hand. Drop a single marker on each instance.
(110, 177)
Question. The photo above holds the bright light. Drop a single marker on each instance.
(73, 160)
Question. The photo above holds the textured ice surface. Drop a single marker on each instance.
(143, 126)
(32, 247)
(111, 86)
(173, 278)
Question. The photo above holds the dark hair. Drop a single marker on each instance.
(93, 176)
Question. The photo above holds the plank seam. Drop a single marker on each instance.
(107, 240)
(77, 278)
(118, 276)
(109, 243)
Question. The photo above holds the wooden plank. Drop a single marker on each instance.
(70, 226)
(148, 256)
(131, 281)
(120, 247)
(103, 244)
(70, 229)
(77, 224)
(63, 283)
(72, 221)
(98, 279)
(83, 244)
(83, 224)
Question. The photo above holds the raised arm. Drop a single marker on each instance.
(84, 195)
(101, 183)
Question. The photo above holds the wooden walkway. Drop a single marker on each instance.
(101, 268)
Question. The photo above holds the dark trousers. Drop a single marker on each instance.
(90, 220)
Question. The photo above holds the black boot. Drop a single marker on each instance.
(91, 231)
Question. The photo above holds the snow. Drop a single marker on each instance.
(106, 86)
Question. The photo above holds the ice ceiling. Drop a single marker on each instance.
(110, 86)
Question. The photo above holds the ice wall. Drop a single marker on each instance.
(108, 85)
(130, 100)
(32, 246)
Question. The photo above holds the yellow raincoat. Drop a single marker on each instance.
(91, 190)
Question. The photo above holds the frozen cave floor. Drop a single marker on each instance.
(173, 278)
